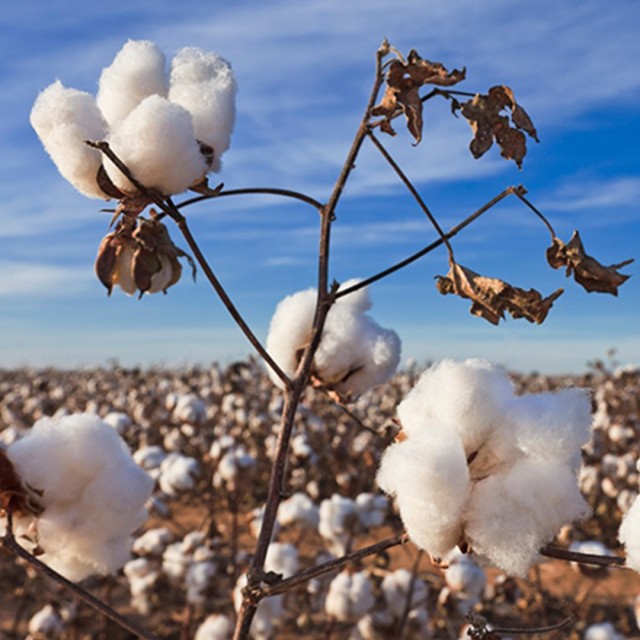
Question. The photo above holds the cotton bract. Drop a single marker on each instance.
(482, 465)
(170, 130)
(93, 494)
(355, 353)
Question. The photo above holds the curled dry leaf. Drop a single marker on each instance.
(484, 113)
(587, 271)
(404, 79)
(491, 297)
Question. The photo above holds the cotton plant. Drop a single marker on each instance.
(215, 626)
(142, 575)
(629, 533)
(45, 624)
(88, 492)
(465, 582)
(339, 522)
(178, 474)
(396, 587)
(355, 353)
(299, 510)
(482, 467)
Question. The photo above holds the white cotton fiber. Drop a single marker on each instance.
(350, 596)
(395, 589)
(215, 627)
(470, 396)
(63, 119)
(629, 535)
(354, 354)
(282, 558)
(429, 479)
(203, 83)
(299, 510)
(93, 493)
(157, 143)
(137, 72)
(513, 513)
(552, 425)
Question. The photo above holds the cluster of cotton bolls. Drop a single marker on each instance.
(193, 429)
(169, 127)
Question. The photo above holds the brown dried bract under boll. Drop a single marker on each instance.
(139, 256)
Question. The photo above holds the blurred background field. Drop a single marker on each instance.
(206, 435)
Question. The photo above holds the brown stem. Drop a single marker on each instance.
(408, 602)
(412, 190)
(333, 565)
(534, 630)
(9, 543)
(521, 195)
(354, 417)
(434, 245)
(286, 193)
(616, 562)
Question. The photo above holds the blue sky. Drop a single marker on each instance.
(304, 71)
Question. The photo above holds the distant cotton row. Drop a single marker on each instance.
(170, 129)
(482, 465)
(355, 353)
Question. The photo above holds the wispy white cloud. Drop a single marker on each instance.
(33, 278)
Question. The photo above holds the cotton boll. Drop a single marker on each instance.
(203, 83)
(513, 513)
(300, 510)
(178, 473)
(198, 579)
(119, 421)
(215, 627)
(427, 475)
(629, 535)
(338, 522)
(465, 581)
(45, 623)
(93, 493)
(157, 143)
(396, 587)
(282, 558)
(63, 119)
(372, 509)
(350, 596)
(150, 457)
(152, 542)
(137, 72)
(602, 631)
(189, 408)
(142, 576)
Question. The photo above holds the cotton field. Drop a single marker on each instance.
(171, 471)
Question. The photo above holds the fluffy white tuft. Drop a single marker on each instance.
(157, 143)
(204, 84)
(93, 493)
(63, 119)
(429, 479)
(215, 627)
(629, 535)
(137, 72)
(350, 596)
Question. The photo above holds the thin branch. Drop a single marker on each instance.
(9, 542)
(534, 630)
(412, 190)
(535, 210)
(434, 245)
(285, 193)
(616, 562)
(333, 565)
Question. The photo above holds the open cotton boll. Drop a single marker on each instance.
(602, 631)
(137, 71)
(215, 627)
(354, 354)
(204, 84)
(64, 118)
(396, 587)
(157, 143)
(178, 473)
(338, 523)
(290, 330)
(514, 513)
(427, 475)
(629, 535)
(93, 493)
(299, 509)
(282, 558)
(45, 623)
(350, 596)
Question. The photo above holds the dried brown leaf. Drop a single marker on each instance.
(586, 271)
(492, 297)
(14, 498)
(404, 80)
(485, 116)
